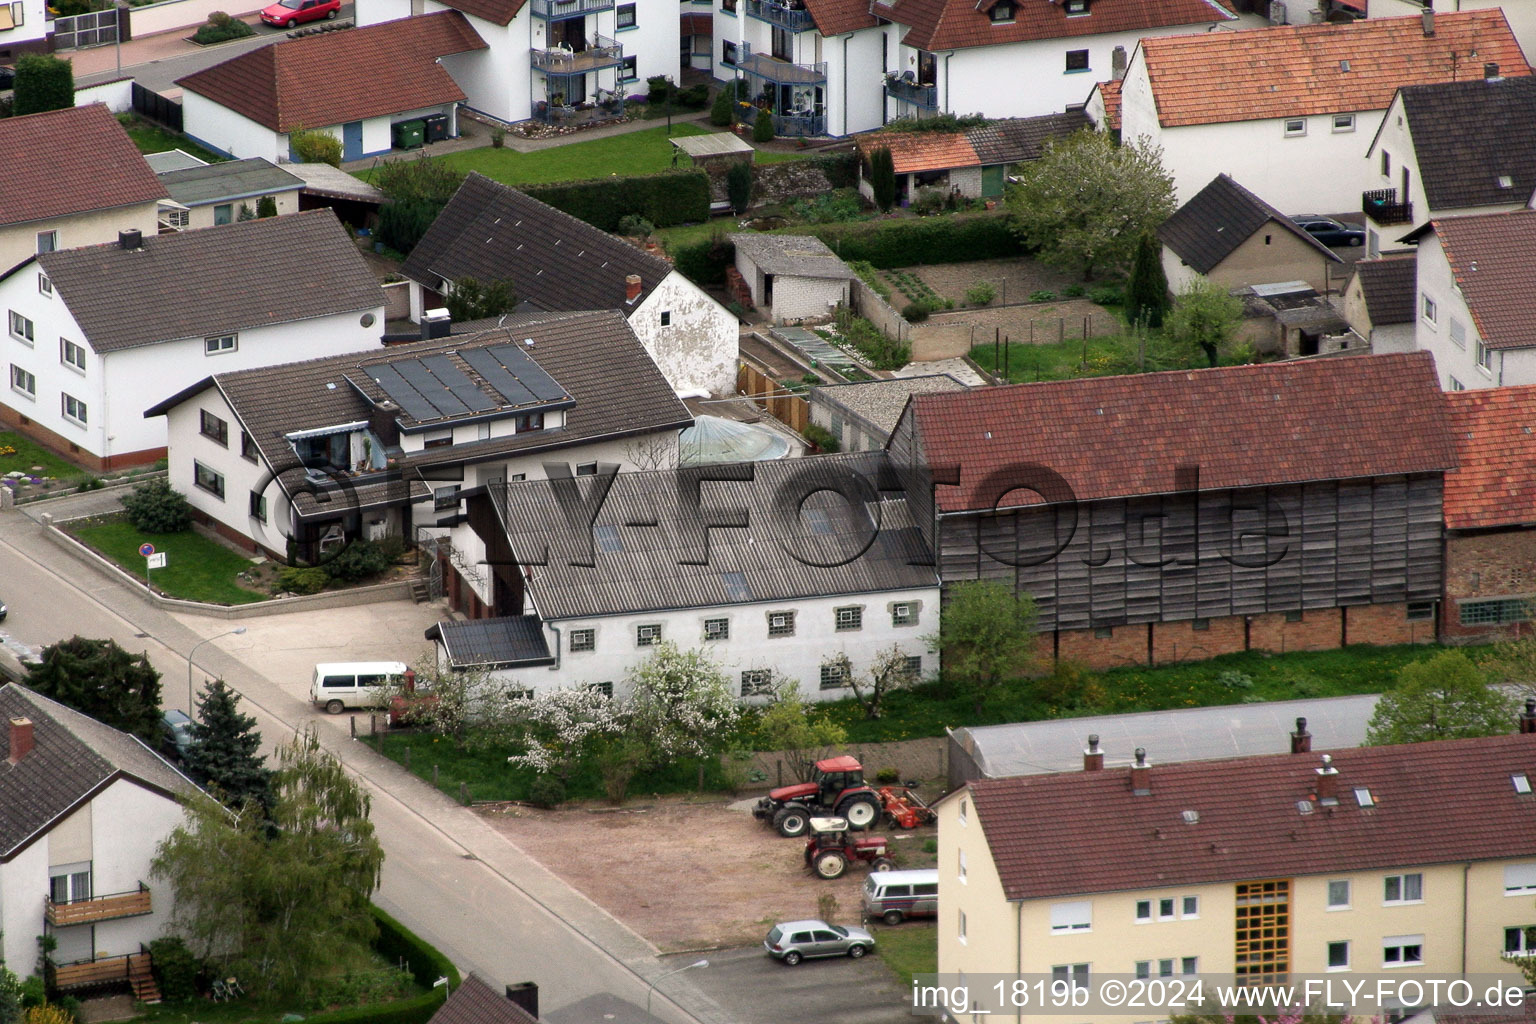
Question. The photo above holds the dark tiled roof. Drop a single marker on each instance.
(508, 641)
(1243, 426)
(880, 402)
(1389, 285)
(1492, 255)
(390, 67)
(1433, 803)
(232, 179)
(955, 24)
(491, 232)
(645, 568)
(1221, 217)
(835, 17)
(476, 1002)
(1467, 135)
(1299, 70)
(65, 162)
(73, 756)
(126, 298)
(1494, 430)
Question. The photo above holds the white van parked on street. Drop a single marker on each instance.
(356, 684)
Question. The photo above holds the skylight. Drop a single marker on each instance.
(1363, 797)
(1304, 806)
(608, 540)
(1522, 783)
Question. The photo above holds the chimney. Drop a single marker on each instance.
(1141, 774)
(1327, 782)
(435, 323)
(1301, 740)
(1093, 757)
(1528, 717)
(1117, 62)
(526, 995)
(21, 739)
(130, 239)
(1429, 21)
(631, 288)
(381, 420)
(1491, 72)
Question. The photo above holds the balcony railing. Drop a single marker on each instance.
(778, 71)
(606, 109)
(559, 10)
(601, 52)
(908, 91)
(790, 14)
(1381, 206)
(99, 908)
(105, 970)
(799, 125)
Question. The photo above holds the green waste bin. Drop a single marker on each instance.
(408, 134)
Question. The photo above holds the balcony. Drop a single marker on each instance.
(107, 970)
(1381, 206)
(780, 72)
(906, 88)
(99, 908)
(599, 53)
(607, 106)
(788, 14)
(559, 10)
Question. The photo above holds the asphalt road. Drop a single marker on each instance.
(756, 989)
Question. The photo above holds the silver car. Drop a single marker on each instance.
(793, 941)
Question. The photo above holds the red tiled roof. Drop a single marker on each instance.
(1492, 255)
(1433, 803)
(65, 162)
(1299, 70)
(498, 12)
(389, 67)
(1109, 92)
(1243, 426)
(956, 24)
(834, 17)
(914, 152)
(1494, 430)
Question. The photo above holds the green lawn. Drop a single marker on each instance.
(644, 152)
(29, 453)
(197, 569)
(908, 949)
(152, 138)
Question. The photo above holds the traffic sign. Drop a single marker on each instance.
(146, 550)
(157, 561)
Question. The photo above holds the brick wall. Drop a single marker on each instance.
(1181, 641)
(1125, 645)
(1385, 624)
(1483, 566)
(1320, 629)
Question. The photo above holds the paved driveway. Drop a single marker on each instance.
(756, 989)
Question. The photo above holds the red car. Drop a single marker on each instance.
(288, 13)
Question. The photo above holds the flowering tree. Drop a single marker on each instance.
(555, 728)
(681, 700)
(469, 706)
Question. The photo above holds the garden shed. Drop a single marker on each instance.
(792, 278)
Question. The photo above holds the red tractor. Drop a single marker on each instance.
(829, 850)
(837, 788)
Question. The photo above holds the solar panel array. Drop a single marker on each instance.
(433, 388)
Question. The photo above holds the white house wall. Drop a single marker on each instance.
(27, 36)
(749, 647)
(855, 81)
(23, 887)
(52, 323)
(972, 80)
(806, 298)
(699, 350)
(1456, 363)
(220, 129)
(19, 241)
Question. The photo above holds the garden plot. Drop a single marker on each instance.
(1013, 281)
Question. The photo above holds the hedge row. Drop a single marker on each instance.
(922, 240)
(704, 263)
(396, 942)
(841, 169)
(665, 199)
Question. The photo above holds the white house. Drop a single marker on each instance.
(82, 808)
(563, 61)
(1428, 162)
(24, 28)
(556, 262)
(307, 456)
(1476, 310)
(792, 277)
(1289, 110)
(72, 177)
(95, 335)
(355, 85)
(213, 194)
(775, 569)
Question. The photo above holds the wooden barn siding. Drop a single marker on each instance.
(1345, 543)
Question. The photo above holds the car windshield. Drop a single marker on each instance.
(292, 5)
(843, 932)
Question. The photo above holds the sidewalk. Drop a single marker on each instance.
(99, 63)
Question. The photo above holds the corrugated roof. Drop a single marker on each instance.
(956, 24)
(491, 232)
(1494, 484)
(73, 756)
(1390, 286)
(830, 548)
(1300, 70)
(390, 67)
(125, 298)
(1243, 426)
(791, 255)
(504, 642)
(1474, 142)
(1492, 255)
(1221, 217)
(231, 179)
(1430, 803)
(65, 162)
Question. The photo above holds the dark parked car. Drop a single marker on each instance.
(7, 77)
(1330, 232)
(2, 611)
(793, 941)
(176, 737)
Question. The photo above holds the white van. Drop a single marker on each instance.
(894, 896)
(355, 684)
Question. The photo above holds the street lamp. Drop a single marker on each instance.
(233, 632)
(680, 970)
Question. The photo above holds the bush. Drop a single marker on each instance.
(723, 112)
(154, 507)
(929, 201)
(91, 483)
(1110, 295)
(1043, 295)
(868, 274)
(472, 299)
(893, 243)
(762, 128)
(1074, 291)
(403, 222)
(175, 969)
(665, 199)
(220, 28)
(547, 792)
(738, 186)
(658, 88)
(357, 561)
(695, 97)
(980, 294)
(841, 169)
(315, 147)
(878, 348)
(43, 82)
(498, 138)
(915, 312)
(821, 437)
(828, 208)
(704, 263)
(886, 776)
(635, 226)
(299, 580)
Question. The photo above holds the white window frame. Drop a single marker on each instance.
(1402, 944)
(22, 329)
(962, 816)
(66, 348)
(1294, 127)
(45, 284)
(1520, 879)
(258, 506)
(1071, 917)
(1527, 943)
(648, 634)
(903, 613)
(1343, 123)
(833, 676)
(848, 619)
(21, 376)
(1143, 912)
(81, 415)
(1075, 974)
(220, 344)
(1185, 911)
(1484, 356)
(1403, 885)
(77, 881)
(51, 236)
(582, 640)
(1348, 893)
(717, 628)
(1429, 309)
(198, 469)
(178, 219)
(962, 868)
(787, 629)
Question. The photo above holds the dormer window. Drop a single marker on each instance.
(1002, 12)
(1075, 8)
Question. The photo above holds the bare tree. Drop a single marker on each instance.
(889, 672)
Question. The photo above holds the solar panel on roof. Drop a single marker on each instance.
(432, 389)
(522, 366)
(462, 387)
(404, 395)
(496, 375)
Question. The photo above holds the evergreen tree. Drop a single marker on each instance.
(43, 82)
(762, 129)
(100, 679)
(882, 178)
(1146, 293)
(738, 186)
(266, 206)
(224, 755)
